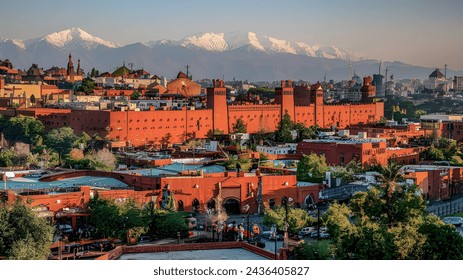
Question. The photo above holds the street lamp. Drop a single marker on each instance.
(246, 210)
(273, 231)
(285, 202)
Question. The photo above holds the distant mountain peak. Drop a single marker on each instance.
(16, 42)
(208, 41)
(72, 38)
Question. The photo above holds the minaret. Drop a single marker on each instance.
(70, 71)
(78, 71)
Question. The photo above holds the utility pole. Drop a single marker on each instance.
(187, 71)
(385, 82)
(445, 76)
(259, 194)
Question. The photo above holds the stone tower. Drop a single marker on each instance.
(217, 101)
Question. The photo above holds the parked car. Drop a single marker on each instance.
(144, 239)
(306, 231)
(268, 235)
(65, 228)
(456, 221)
(323, 233)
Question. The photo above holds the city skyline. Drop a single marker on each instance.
(426, 30)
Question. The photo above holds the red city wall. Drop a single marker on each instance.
(166, 127)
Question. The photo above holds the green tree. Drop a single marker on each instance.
(104, 215)
(284, 132)
(61, 140)
(443, 242)
(389, 181)
(83, 140)
(389, 221)
(319, 250)
(6, 157)
(23, 129)
(88, 85)
(23, 235)
(239, 126)
(135, 95)
(111, 220)
(297, 218)
(382, 121)
(304, 132)
(166, 224)
(312, 168)
(94, 73)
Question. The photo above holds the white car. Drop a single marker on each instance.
(456, 221)
(306, 231)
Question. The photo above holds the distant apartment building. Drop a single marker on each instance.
(438, 81)
(437, 182)
(449, 126)
(458, 83)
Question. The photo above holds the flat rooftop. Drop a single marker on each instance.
(219, 254)
(34, 183)
(350, 140)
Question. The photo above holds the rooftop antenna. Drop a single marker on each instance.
(350, 77)
(350, 70)
(324, 78)
(385, 86)
(187, 70)
(445, 76)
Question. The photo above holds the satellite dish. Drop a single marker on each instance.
(246, 208)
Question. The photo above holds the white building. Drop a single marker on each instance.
(438, 81)
(288, 148)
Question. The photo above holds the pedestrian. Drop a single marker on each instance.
(241, 232)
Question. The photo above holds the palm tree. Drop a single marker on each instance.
(389, 181)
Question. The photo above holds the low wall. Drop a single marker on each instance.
(116, 253)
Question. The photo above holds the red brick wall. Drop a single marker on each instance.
(365, 153)
(256, 117)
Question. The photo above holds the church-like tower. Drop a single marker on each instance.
(70, 70)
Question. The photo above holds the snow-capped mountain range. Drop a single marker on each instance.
(74, 38)
(221, 42)
(241, 55)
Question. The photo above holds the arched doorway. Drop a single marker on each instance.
(180, 205)
(195, 205)
(211, 205)
(231, 205)
(284, 200)
(309, 201)
(271, 202)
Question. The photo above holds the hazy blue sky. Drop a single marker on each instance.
(421, 32)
